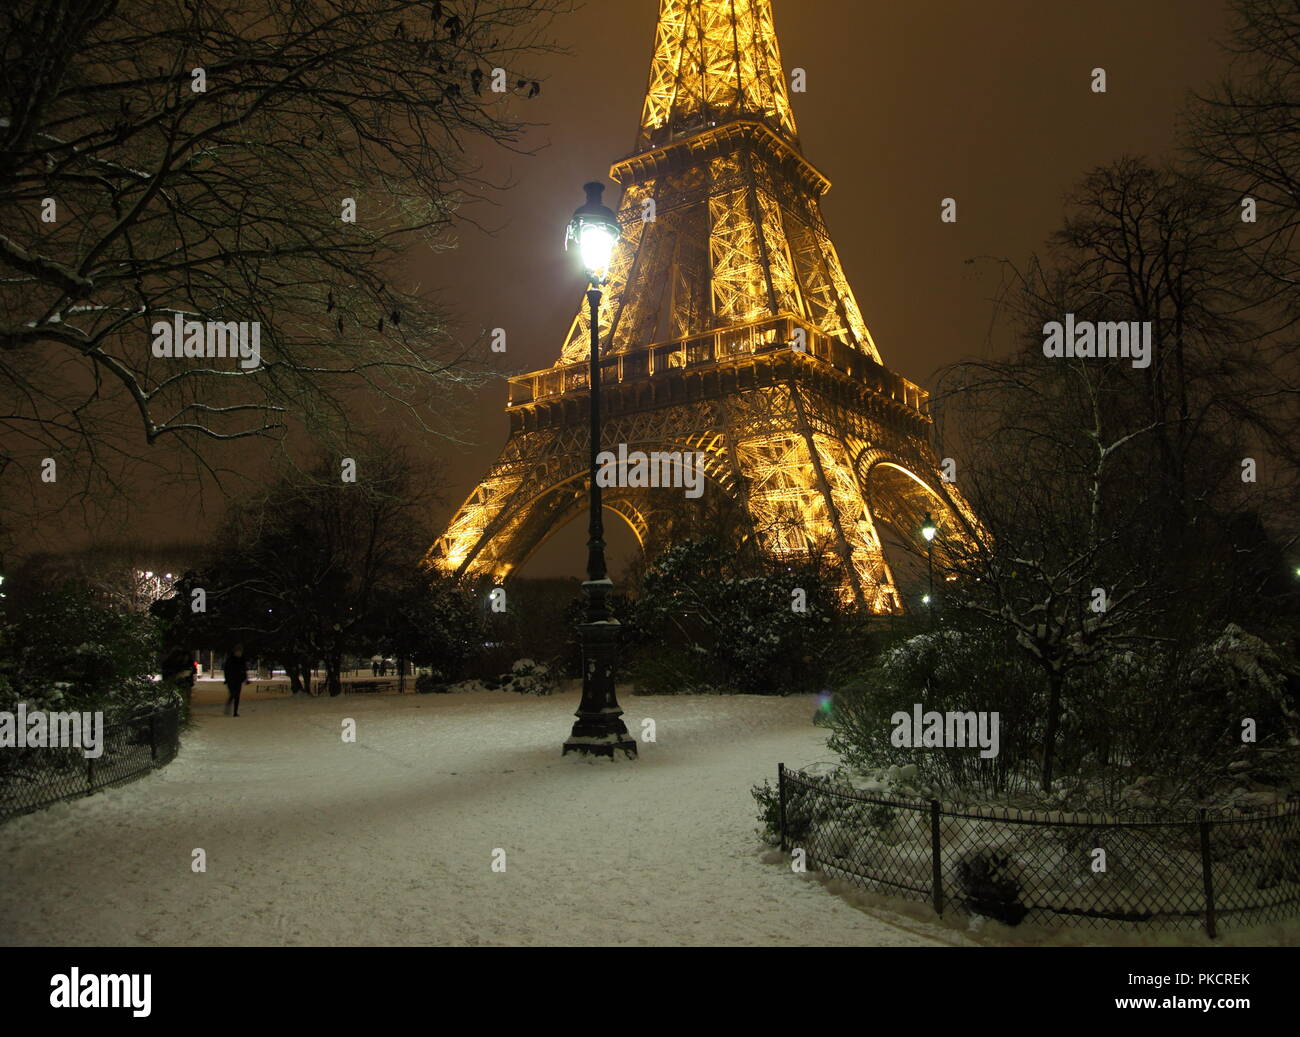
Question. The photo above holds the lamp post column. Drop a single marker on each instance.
(599, 729)
(930, 554)
(930, 530)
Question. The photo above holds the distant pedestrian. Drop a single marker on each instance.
(235, 670)
(374, 665)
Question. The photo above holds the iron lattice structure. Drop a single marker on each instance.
(728, 328)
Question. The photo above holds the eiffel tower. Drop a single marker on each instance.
(729, 329)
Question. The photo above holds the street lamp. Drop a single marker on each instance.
(929, 530)
(599, 729)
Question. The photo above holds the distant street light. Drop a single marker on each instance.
(599, 729)
(929, 530)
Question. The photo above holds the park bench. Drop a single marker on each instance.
(369, 687)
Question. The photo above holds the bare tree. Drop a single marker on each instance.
(1244, 141)
(1104, 488)
(200, 160)
(1057, 558)
(1246, 134)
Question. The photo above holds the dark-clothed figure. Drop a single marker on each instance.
(235, 669)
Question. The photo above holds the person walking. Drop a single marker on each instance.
(235, 671)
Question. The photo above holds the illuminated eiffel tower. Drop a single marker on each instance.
(728, 328)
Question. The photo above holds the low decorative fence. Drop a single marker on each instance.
(1207, 869)
(34, 778)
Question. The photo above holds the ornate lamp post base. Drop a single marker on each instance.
(609, 749)
(599, 729)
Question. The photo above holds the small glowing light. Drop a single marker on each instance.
(925, 600)
(148, 576)
(597, 248)
(595, 230)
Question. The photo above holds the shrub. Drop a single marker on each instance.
(769, 810)
(1174, 712)
(799, 812)
(1169, 714)
(72, 650)
(529, 678)
(945, 670)
(431, 684)
(708, 622)
(989, 886)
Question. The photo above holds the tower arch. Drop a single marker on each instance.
(728, 327)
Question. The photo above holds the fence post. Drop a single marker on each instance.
(153, 736)
(937, 860)
(1208, 875)
(780, 786)
(90, 771)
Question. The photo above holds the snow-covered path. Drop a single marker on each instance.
(389, 840)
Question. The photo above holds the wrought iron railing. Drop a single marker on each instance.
(1206, 869)
(32, 778)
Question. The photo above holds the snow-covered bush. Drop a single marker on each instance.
(1162, 726)
(1154, 728)
(707, 621)
(944, 670)
(804, 810)
(72, 650)
(530, 678)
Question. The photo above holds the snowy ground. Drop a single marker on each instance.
(389, 841)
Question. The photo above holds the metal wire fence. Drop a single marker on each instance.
(1206, 869)
(32, 778)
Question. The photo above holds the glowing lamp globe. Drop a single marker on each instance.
(594, 231)
(929, 530)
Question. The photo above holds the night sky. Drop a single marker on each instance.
(907, 103)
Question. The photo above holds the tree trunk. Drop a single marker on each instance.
(334, 674)
(1055, 680)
